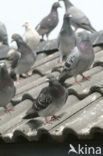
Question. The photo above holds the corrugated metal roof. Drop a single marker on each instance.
(83, 110)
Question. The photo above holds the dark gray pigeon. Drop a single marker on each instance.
(24, 58)
(79, 19)
(79, 60)
(7, 88)
(50, 100)
(3, 34)
(49, 22)
(67, 38)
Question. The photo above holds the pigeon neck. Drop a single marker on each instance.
(85, 47)
(54, 10)
(23, 48)
(20, 43)
(68, 4)
(57, 89)
(28, 28)
(66, 25)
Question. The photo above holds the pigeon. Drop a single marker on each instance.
(24, 58)
(31, 36)
(49, 22)
(3, 34)
(7, 88)
(79, 60)
(50, 100)
(79, 19)
(67, 38)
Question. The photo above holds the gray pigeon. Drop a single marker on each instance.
(49, 22)
(24, 58)
(67, 38)
(3, 34)
(7, 88)
(79, 19)
(79, 60)
(50, 100)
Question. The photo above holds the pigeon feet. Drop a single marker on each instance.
(54, 117)
(78, 82)
(84, 78)
(47, 121)
(9, 110)
(60, 61)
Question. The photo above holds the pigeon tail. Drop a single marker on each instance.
(31, 113)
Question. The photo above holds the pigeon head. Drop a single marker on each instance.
(26, 25)
(17, 38)
(51, 77)
(3, 71)
(52, 80)
(67, 16)
(56, 5)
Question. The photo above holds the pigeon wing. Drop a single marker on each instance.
(44, 99)
(15, 60)
(47, 24)
(72, 60)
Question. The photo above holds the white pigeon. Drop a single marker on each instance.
(31, 36)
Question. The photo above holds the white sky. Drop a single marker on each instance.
(15, 12)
